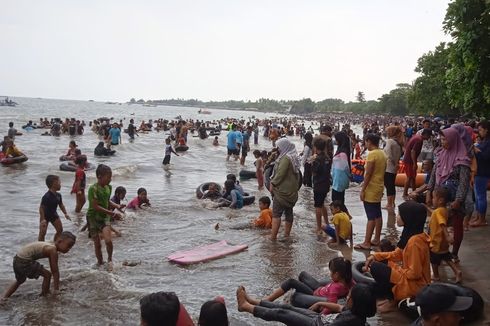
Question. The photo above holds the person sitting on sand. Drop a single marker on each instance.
(26, 265)
(395, 282)
(360, 305)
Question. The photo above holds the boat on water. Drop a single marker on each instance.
(201, 111)
(8, 102)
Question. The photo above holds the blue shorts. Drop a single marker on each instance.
(373, 210)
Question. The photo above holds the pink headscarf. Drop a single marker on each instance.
(455, 155)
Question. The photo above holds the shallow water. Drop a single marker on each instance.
(176, 221)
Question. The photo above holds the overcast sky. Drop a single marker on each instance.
(213, 50)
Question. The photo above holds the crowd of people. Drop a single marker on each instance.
(454, 155)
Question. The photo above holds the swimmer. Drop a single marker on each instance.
(119, 195)
(215, 141)
(26, 266)
(140, 200)
(212, 192)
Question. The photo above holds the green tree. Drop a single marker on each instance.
(430, 93)
(360, 97)
(305, 105)
(396, 101)
(468, 75)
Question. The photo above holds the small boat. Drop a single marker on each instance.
(201, 111)
(8, 102)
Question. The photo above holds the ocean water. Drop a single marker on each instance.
(176, 221)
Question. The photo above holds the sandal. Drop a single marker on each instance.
(361, 247)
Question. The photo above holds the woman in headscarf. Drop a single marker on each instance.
(393, 151)
(452, 171)
(395, 281)
(341, 167)
(284, 186)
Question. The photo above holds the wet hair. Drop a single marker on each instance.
(319, 144)
(343, 267)
(229, 185)
(427, 132)
(373, 138)
(443, 192)
(141, 190)
(82, 159)
(102, 170)
(68, 235)
(363, 301)
(160, 309)
(265, 200)
(485, 124)
(120, 190)
(385, 245)
(50, 179)
(338, 204)
(213, 313)
(257, 153)
(231, 176)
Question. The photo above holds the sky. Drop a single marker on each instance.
(215, 49)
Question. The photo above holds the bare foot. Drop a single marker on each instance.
(241, 298)
(110, 266)
(459, 277)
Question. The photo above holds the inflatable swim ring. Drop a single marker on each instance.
(402, 177)
(245, 175)
(181, 148)
(66, 166)
(13, 160)
(204, 187)
(65, 158)
(359, 276)
(473, 313)
(248, 199)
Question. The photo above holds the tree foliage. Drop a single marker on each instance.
(360, 97)
(468, 74)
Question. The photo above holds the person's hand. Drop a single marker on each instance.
(456, 205)
(368, 263)
(122, 206)
(67, 217)
(362, 195)
(315, 307)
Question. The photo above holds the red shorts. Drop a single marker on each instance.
(409, 171)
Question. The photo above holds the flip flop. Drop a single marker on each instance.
(478, 225)
(359, 247)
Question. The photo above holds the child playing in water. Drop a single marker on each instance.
(232, 197)
(168, 150)
(265, 218)
(212, 192)
(259, 168)
(78, 187)
(215, 141)
(140, 200)
(119, 195)
(99, 213)
(12, 150)
(49, 204)
(340, 274)
(26, 266)
(439, 236)
(342, 229)
(72, 146)
(238, 187)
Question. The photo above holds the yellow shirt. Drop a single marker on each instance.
(13, 151)
(438, 242)
(374, 190)
(342, 224)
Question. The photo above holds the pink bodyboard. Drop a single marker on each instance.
(205, 253)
